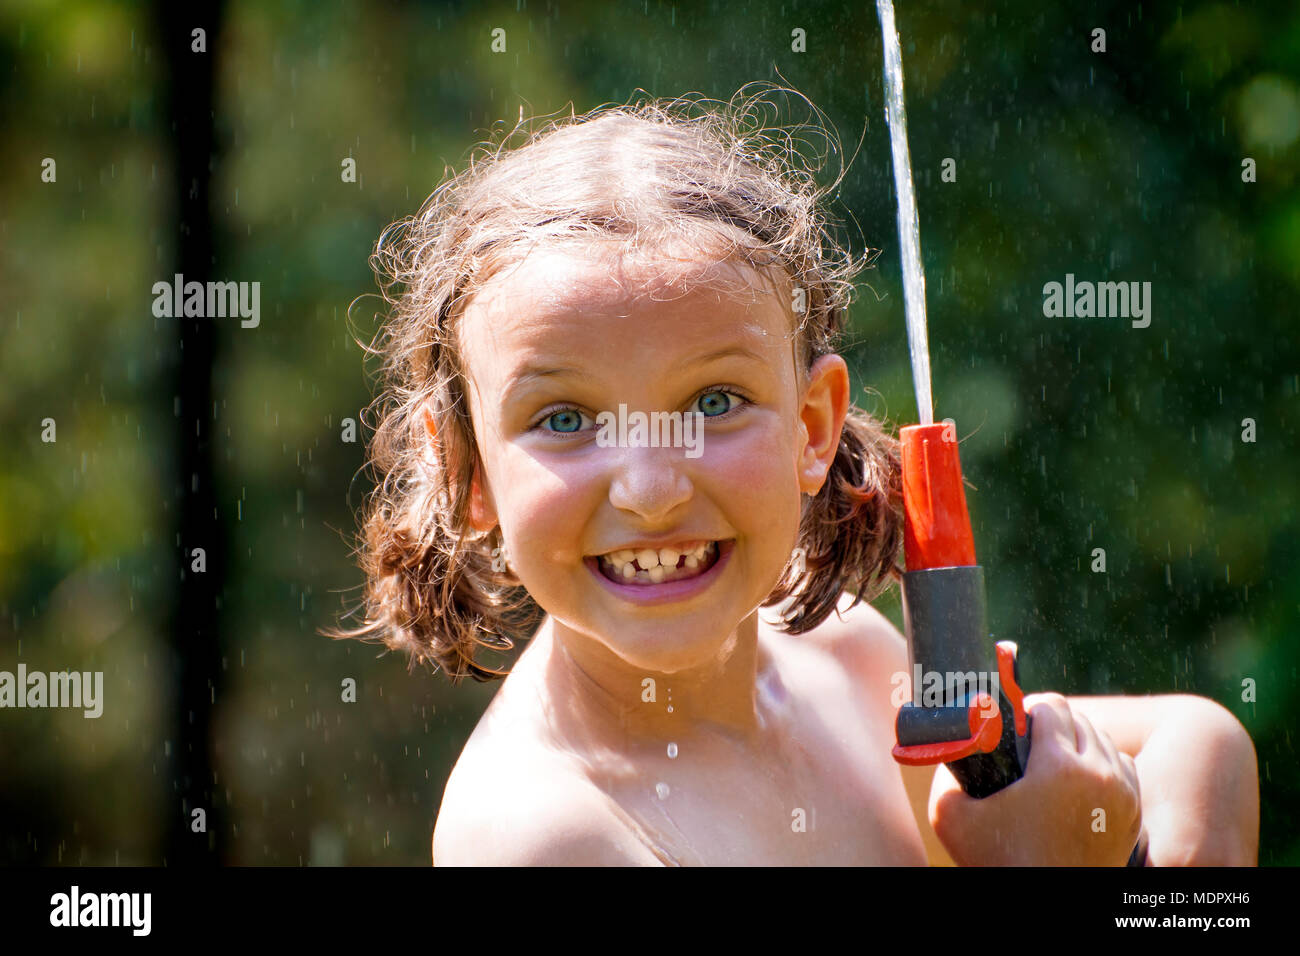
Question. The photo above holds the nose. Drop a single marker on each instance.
(650, 482)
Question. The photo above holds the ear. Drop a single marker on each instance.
(431, 429)
(482, 509)
(824, 407)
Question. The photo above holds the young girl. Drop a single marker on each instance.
(697, 691)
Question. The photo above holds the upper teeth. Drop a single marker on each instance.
(650, 558)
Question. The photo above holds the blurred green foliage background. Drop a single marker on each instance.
(1077, 433)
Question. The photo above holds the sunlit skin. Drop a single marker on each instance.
(764, 722)
(613, 328)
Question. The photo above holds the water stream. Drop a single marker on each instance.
(909, 228)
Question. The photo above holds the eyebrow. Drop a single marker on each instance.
(531, 373)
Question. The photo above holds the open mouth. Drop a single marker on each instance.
(659, 565)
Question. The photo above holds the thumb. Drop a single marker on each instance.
(950, 805)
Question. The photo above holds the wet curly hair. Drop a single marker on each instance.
(648, 171)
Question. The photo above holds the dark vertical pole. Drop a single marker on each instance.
(194, 615)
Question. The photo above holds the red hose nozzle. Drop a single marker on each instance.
(936, 527)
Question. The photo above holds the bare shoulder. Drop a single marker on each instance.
(864, 642)
(511, 804)
(872, 654)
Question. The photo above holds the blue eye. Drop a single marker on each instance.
(716, 403)
(568, 420)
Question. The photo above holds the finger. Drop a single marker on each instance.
(1131, 774)
(944, 783)
(951, 807)
(1089, 743)
(1051, 720)
(1108, 748)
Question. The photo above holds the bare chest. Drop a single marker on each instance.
(821, 790)
(817, 787)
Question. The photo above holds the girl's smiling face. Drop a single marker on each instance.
(550, 343)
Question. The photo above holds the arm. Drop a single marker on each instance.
(1198, 775)
(1180, 764)
(1195, 763)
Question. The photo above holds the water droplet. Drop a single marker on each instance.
(672, 751)
(662, 790)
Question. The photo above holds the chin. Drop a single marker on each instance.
(669, 645)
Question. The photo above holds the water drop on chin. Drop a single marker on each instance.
(662, 790)
(672, 751)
